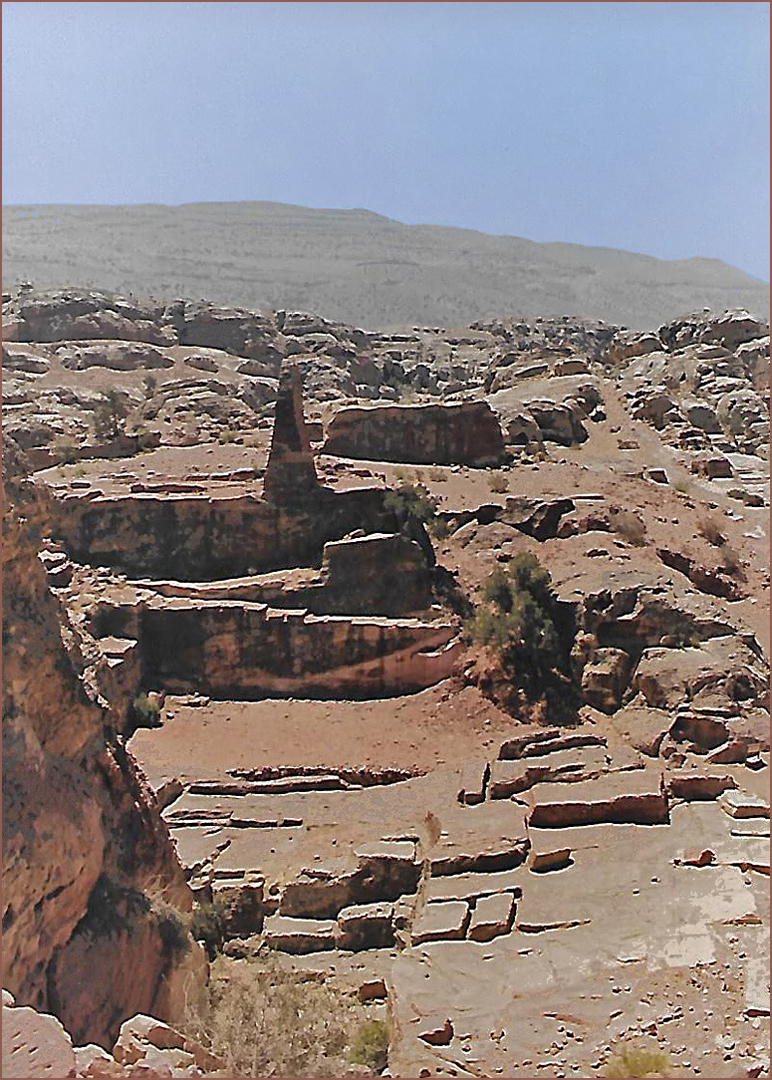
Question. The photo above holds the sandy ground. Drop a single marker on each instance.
(434, 729)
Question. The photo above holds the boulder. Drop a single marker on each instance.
(572, 365)
(35, 1044)
(557, 422)
(522, 430)
(627, 344)
(605, 678)
(14, 360)
(467, 433)
(300, 936)
(712, 467)
(655, 406)
(702, 416)
(631, 797)
(754, 357)
(643, 727)
(714, 582)
(92, 1062)
(534, 517)
(439, 1034)
(739, 410)
(114, 355)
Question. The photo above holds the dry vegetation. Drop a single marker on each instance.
(263, 1020)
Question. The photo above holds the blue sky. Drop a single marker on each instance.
(642, 126)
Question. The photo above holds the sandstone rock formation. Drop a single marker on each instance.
(290, 476)
(91, 881)
(467, 433)
(36, 1045)
(286, 657)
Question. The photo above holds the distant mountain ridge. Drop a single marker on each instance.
(355, 265)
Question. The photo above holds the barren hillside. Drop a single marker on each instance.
(354, 265)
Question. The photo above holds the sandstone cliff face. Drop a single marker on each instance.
(467, 433)
(198, 538)
(248, 651)
(91, 881)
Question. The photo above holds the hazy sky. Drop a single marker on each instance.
(642, 126)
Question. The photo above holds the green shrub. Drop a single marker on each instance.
(517, 620)
(207, 925)
(172, 927)
(635, 1062)
(439, 528)
(227, 436)
(371, 1045)
(146, 712)
(412, 500)
(114, 907)
(149, 382)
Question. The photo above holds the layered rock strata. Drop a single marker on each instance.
(91, 880)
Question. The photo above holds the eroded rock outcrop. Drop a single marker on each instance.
(290, 476)
(467, 433)
(91, 880)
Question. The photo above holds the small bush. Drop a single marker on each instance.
(437, 476)
(731, 561)
(110, 416)
(227, 436)
(412, 500)
(497, 482)
(629, 526)
(681, 486)
(66, 448)
(263, 1020)
(517, 620)
(371, 1045)
(146, 439)
(114, 907)
(172, 927)
(439, 528)
(207, 925)
(149, 382)
(635, 1062)
(146, 711)
(709, 530)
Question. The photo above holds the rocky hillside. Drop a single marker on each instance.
(445, 653)
(354, 265)
(91, 880)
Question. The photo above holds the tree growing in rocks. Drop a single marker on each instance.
(110, 416)
(416, 512)
(518, 622)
